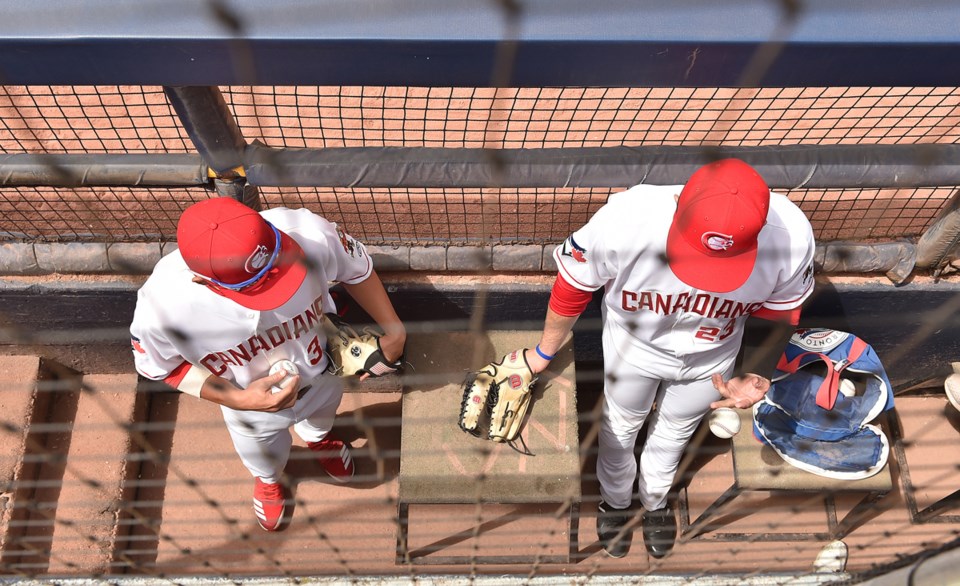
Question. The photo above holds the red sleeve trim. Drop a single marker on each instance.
(567, 300)
(176, 377)
(362, 277)
(790, 316)
(795, 300)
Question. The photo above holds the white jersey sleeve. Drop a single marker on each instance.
(343, 258)
(586, 259)
(154, 323)
(154, 356)
(788, 248)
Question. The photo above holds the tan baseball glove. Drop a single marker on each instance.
(500, 393)
(353, 353)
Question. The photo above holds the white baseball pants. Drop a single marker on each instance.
(628, 396)
(263, 440)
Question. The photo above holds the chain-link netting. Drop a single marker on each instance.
(108, 476)
(139, 120)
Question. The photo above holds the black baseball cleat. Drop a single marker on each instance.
(610, 523)
(659, 531)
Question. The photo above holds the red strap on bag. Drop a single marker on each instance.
(830, 387)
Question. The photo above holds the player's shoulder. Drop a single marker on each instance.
(642, 203)
(168, 285)
(170, 295)
(169, 274)
(646, 193)
(300, 223)
(168, 268)
(288, 219)
(786, 214)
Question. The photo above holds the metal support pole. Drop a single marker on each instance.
(213, 130)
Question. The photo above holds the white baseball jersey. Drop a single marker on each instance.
(659, 323)
(177, 319)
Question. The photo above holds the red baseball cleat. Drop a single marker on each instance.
(269, 504)
(334, 456)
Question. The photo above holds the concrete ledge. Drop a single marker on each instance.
(428, 258)
(548, 263)
(470, 258)
(132, 258)
(518, 258)
(73, 257)
(390, 258)
(18, 258)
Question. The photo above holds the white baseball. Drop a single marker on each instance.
(724, 422)
(286, 365)
(847, 388)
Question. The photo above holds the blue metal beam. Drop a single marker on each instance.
(684, 43)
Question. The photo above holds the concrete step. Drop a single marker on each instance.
(145, 486)
(19, 376)
(39, 404)
(91, 498)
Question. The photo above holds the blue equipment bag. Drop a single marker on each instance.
(812, 425)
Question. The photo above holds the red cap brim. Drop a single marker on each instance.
(717, 274)
(277, 286)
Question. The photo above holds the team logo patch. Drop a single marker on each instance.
(257, 260)
(350, 246)
(716, 241)
(808, 273)
(818, 339)
(135, 342)
(574, 250)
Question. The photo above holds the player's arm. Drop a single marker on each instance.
(373, 298)
(774, 329)
(259, 396)
(566, 304)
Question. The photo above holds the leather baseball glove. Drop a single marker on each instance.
(499, 392)
(354, 353)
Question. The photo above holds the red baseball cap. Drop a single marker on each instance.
(245, 258)
(712, 242)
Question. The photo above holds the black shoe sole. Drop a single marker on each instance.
(616, 554)
(658, 556)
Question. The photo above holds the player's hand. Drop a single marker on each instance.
(536, 363)
(392, 347)
(740, 392)
(260, 396)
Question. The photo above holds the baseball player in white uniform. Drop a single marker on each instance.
(243, 291)
(683, 267)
